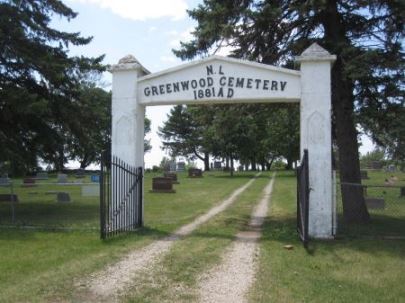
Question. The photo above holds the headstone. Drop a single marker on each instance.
(28, 182)
(4, 181)
(63, 197)
(95, 178)
(8, 198)
(217, 165)
(80, 173)
(181, 166)
(240, 168)
(376, 164)
(91, 190)
(375, 203)
(402, 194)
(172, 166)
(62, 178)
(42, 176)
(195, 173)
(172, 176)
(162, 185)
(363, 174)
(391, 168)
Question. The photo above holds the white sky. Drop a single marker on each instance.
(147, 29)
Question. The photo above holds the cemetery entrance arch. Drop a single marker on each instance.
(225, 80)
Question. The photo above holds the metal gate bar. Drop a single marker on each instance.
(303, 199)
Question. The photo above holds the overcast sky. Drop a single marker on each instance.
(147, 29)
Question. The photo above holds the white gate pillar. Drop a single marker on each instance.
(316, 136)
(128, 116)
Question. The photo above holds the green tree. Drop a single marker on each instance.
(39, 81)
(366, 36)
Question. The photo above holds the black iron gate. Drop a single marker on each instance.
(303, 199)
(120, 197)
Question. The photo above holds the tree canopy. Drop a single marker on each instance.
(367, 78)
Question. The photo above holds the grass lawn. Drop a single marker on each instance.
(345, 270)
(40, 265)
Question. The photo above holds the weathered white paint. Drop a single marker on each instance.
(134, 88)
(316, 136)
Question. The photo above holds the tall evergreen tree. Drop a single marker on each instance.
(366, 36)
(39, 81)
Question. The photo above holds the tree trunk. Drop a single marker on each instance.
(232, 168)
(354, 207)
(253, 165)
(206, 161)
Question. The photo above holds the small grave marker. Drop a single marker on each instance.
(63, 197)
(95, 178)
(28, 182)
(172, 176)
(62, 178)
(91, 190)
(195, 173)
(375, 203)
(181, 166)
(5, 181)
(80, 173)
(363, 174)
(162, 185)
(8, 198)
(217, 165)
(391, 168)
(42, 176)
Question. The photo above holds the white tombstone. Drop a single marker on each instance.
(226, 80)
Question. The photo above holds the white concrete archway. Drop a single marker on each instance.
(225, 80)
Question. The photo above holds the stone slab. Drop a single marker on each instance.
(162, 185)
(195, 173)
(375, 203)
(63, 197)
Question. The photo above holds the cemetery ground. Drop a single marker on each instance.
(45, 265)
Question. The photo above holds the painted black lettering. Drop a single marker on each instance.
(210, 70)
(266, 84)
(176, 87)
(221, 92)
(222, 81)
(230, 81)
(154, 91)
(240, 82)
(249, 83)
(210, 81)
(146, 91)
(161, 89)
(283, 85)
(220, 70)
(230, 93)
(200, 93)
(184, 85)
(194, 84)
(258, 83)
(202, 82)
(273, 85)
(169, 88)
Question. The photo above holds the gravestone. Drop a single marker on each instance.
(8, 198)
(62, 178)
(172, 176)
(63, 197)
(217, 165)
(376, 164)
(91, 190)
(181, 166)
(363, 174)
(28, 182)
(95, 178)
(80, 173)
(391, 168)
(375, 203)
(194, 173)
(172, 166)
(42, 176)
(162, 185)
(5, 181)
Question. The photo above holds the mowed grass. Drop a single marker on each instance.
(175, 278)
(41, 265)
(344, 270)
